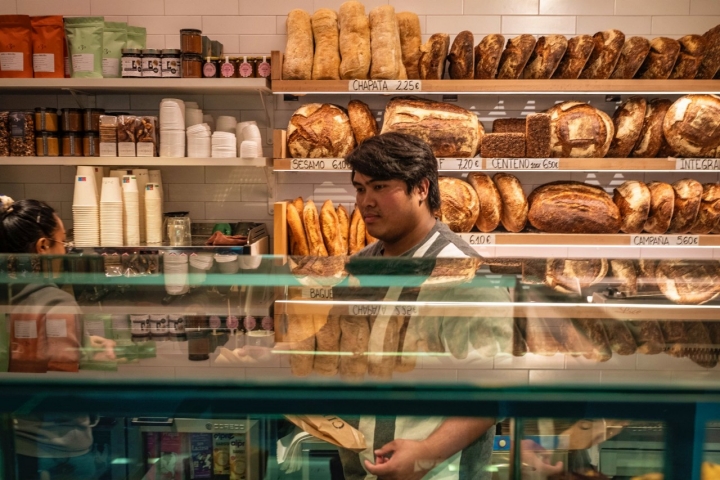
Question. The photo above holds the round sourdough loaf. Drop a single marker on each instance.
(514, 204)
(662, 205)
(571, 276)
(651, 136)
(319, 130)
(632, 57)
(692, 125)
(572, 207)
(487, 56)
(624, 271)
(546, 56)
(579, 130)
(688, 282)
(660, 61)
(688, 194)
(628, 120)
(633, 200)
(490, 201)
(362, 122)
(459, 204)
(709, 214)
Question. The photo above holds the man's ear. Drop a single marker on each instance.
(423, 188)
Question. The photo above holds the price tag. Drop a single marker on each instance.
(384, 86)
(459, 163)
(665, 240)
(522, 163)
(338, 164)
(697, 164)
(374, 310)
(476, 239)
(317, 293)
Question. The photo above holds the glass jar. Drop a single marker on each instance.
(246, 69)
(227, 69)
(264, 69)
(151, 63)
(210, 68)
(72, 145)
(131, 63)
(191, 40)
(192, 66)
(91, 119)
(47, 144)
(46, 119)
(71, 120)
(171, 63)
(91, 144)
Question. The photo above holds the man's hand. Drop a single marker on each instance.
(535, 458)
(103, 348)
(402, 460)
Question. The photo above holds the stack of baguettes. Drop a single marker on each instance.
(329, 232)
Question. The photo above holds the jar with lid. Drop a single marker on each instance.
(47, 144)
(196, 329)
(264, 69)
(151, 63)
(91, 119)
(191, 40)
(71, 120)
(46, 119)
(72, 144)
(210, 67)
(22, 134)
(191, 66)
(227, 68)
(91, 144)
(246, 68)
(170, 62)
(131, 63)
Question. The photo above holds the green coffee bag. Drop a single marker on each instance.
(114, 40)
(137, 37)
(85, 46)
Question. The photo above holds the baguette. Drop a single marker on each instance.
(329, 227)
(299, 204)
(311, 219)
(410, 43)
(327, 345)
(298, 58)
(343, 228)
(354, 41)
(298, 239)
(326, 63)
(357, 234)
(354, 339)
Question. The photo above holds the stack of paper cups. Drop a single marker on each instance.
(198, 141)
(94, 172)
(226, 123)
(111, 213)
(249, 149)
(131, 211)
(224, 145)
(153, 214)
(86, 215)
(155, 176)
(207, 118)
(172, 128)
(176, 273)
(251, 133)
(120, 173)
(142, 179)
(193, 116)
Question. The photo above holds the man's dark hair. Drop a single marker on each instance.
(23, 223)
(398, 156)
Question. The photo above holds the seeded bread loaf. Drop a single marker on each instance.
(503, 145)
(508, 125)
(537, 135)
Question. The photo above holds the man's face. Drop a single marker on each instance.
(387, 208)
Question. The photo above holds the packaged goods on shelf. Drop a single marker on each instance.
(85, 46)
(136, 37)
(4, 134)
(48, 43)
(16, 38)
(22, 134)
(114, 42)
(127, 127)
(108, 135)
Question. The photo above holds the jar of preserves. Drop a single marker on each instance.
(91, 144)
(210, 68)
(91, 119)
(46, 119)
(264, 68)
(72, 145)
(151, 63)
(171, 63)
(131, 63)
(191, 66)
(47, 144)
(71, 120)
(246, 69)
(227, 69)
(191, 40)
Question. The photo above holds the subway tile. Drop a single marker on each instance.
(196, 210)
(530, 361)
(158, 25)
(494, 378)
(501, 7)
(30, 174)
(173, 175)
(203, 193)
(243, 175)
(43, 7)
(554, 377)
(637, 377)
(115, 18)
(536, 25)
(128, 7)
(683, 25)
(281, 24)
(421, 376)
(254, 193)
(14, 190)
(238, 102)
(231, 43)
(172, 41)
(666, 362)
(152, 102)
(193, 7)
(639, 25)
(234, 211)
(273, 7)
(229, 24)
(452, 24)
(144, 371)
(49, 192)
(261, 44)
(616, 362)
(66, 211)
(114, 102)
(649, 7)
(75, 101)
(291, 191)
(447, 361)
(8, 7)
(335, 4)
(429, 7)
(704, 7)
(338, 193)
(155, 41)
(22, 102)
(576, 7)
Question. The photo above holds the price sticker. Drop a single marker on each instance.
(479, 239)
(697, 164)
(384, 86)
(665, 240)
(466, 164)
(315, 293)
(522, 163)
(364, 309)
(337, 164)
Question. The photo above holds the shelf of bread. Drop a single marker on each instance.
(138, 161)
(478, 239)
(165, 86)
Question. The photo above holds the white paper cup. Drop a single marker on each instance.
(111, 190)
(85, 193)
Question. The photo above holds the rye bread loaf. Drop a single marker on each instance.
(579, 130)
(546, 56)
(410, 42)
(688, 195)
(508, 125)
(362, 121)
(651, 134)
(354, 41)
(662, 205)
(628, 120)
(459, 204)
(326, 62)
(462, 66)
(709, 214)
(648, 336)
(490, 202)
(692, 125)
(298, 58)
(624, 273)
(633, 200)
(503, 145)
(319, 131)
(515, 56)
(572, 207)
(710, 64)
(699, 348)
(386, 53)
(515, 206)
(605, 55)
(688, 282)
(433, 55)
(660, 61)
(574, 275)
(487, 56)
(619, 337)
(449, 130)
(692, 52)
(632, 56)
(537, 135)
(576, 57)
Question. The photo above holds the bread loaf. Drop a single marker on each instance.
(576, 57)
(624, 273)
(709, 213)
(356, 240)
(537, 135)
(326, 63)
(662, 205)
(632, 56)
(487, 56)
(572, 276)
(515, 57)
(666, 151)
(327, 344)
(433, 55)
(449, 130)
(675, 337)
(459, 204)
(628, 121)
(296, 228)
(688, 194)
(540, 339)
(515, 205)
(354, 339)
(619, 337)
(410, 43)
(710, 64)
(508, 125)
(699, 348)
(299, 205)
(579, 130)
(519, 345)
(546, 56)
(386, 63)
(343, 228)
(651, 134)
(633, 200)
(692, 52)
(298, 58)
(593, 330)
(533, 271)
(504, 266)
(660, 61)
(503, 145)
(384, 338)
(490, 202)
(648, 336)
(461, 56)
(354, 41)
(605, 55)
(311, 220)
(692, 125)
(330, 229)
(572, 207)
(362, 121)
(319, 131)
(301, 336)
(688, 282)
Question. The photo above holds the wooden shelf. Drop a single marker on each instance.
(137, 161)
(592, 240)
(196, 86)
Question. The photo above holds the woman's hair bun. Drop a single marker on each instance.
(6, 204)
